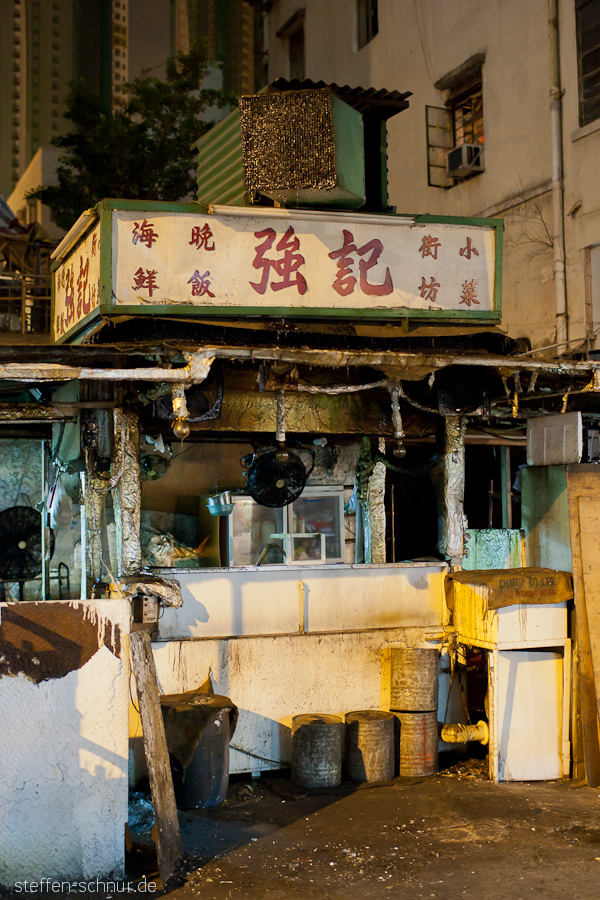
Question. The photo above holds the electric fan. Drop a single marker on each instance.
(276, 477)
(21, 545)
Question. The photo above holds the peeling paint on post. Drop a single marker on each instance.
(95, 516)
(377, 509)
(127, 493)
(454, 489)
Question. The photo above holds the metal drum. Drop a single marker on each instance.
(206, 779)
(370, 745)
(414, 680)
(418, 743)
(317, 750)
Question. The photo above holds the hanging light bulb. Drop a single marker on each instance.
(181, 428)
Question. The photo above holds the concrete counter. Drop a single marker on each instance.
(276, 599)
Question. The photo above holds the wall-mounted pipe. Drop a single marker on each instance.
(558, 233)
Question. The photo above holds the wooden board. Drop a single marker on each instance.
(169, 846)
(583, 490)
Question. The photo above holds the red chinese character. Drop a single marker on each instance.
(145, 281)
(429, 291)
(94, 244)
(469, 293)
(285, 267)
(83, 302)
(469, 250)
(200, 284)
(429, 246)
(345, 282)
(69, 296)
(201, 237)
(144, 233)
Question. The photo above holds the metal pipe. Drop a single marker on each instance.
(266, 549)
(40, 372)
(460, 734)
(558, 236)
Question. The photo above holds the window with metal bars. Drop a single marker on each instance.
(587, 18)
(459, 122)
(468, 120)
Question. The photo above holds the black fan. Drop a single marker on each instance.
(277, 477)
(20, 544)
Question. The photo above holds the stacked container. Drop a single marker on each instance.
(414, 699)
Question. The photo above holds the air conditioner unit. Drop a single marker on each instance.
(465, 160)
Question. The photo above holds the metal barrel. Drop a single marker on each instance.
(418, 743)
(204, 783)
(317, 750)
(414, 679)
(370, 745)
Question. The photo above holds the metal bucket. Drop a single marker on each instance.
(204, 783)
(370, 745)
(414, 679)
(418, 743)
(317, 750)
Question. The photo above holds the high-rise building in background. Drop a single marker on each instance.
(44, 46)
(228, 31)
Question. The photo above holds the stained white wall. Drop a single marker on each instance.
(63, 766)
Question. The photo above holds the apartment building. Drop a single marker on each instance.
(504, 121)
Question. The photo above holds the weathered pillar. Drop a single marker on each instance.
(377, 509)
(127, 492)
(453, 541)
(96, 544)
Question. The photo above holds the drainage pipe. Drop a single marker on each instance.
(558, 233)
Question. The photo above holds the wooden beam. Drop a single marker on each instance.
(168, 843)
(583, 491)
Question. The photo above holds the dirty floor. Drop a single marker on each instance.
(449, 836)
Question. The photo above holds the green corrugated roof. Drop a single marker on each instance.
(220, 167)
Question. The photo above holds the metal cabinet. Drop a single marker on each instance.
(529, 672)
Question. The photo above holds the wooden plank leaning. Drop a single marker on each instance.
(168, 843)
(583, 490)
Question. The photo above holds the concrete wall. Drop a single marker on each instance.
(417, 44)
(63, 741)
(272, 679)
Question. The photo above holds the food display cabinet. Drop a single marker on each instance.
(308, 531)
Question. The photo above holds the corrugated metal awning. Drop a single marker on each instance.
(383, 103)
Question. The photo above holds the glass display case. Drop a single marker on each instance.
(308, 531)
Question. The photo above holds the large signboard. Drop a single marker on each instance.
(262, 261)
(77, 285)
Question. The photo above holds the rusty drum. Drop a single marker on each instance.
(414, 679)
(370, 745)
(317, 750)
(418, 743)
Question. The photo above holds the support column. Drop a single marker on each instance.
(454, 489)
(377, 509)
(95, 520)
(127, 492)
